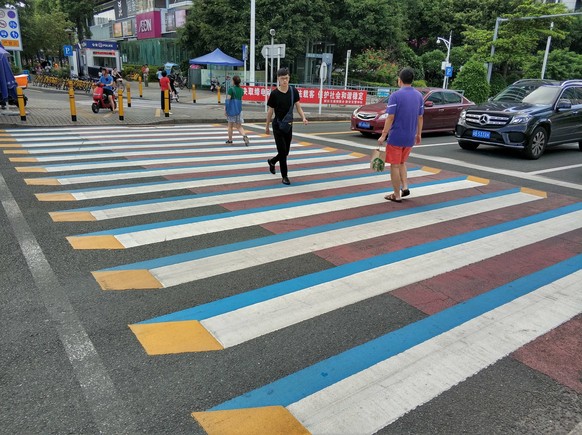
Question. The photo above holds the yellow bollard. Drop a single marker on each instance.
(20, 96)
(128, 95)
(218, 94)
(72, 102)
(193, 93)
(167, 103)
(120, 104)
(140, 87)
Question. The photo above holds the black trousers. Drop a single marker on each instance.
(283, 142)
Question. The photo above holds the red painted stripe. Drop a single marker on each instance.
(557, 354)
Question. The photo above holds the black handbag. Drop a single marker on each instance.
(285, 124)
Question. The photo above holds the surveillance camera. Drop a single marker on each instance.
(272, 32)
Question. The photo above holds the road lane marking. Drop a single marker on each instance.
(368, 387)
(114, 211)
(188, 267)
(249, 315)
(141, 235)
(192, 183)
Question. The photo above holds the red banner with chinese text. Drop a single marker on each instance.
(345, 97)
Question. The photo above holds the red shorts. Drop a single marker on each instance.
(397, 155)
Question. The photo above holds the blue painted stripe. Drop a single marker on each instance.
(324, 165)
(150, 161)
(167, 224)
(218, 194)
(276, 238)
(235, 302)
(310, 380)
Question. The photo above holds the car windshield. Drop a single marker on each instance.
(543, 95)
(514, 93)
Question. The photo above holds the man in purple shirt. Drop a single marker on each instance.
(403, 127)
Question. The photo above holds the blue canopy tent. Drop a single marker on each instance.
(7, 81)
(217, 57)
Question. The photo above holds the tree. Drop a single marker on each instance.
(518, 40)
(562, 65)
(473, 80)
(79, 12)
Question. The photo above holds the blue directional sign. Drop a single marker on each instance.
(449, 71)
(68, 50)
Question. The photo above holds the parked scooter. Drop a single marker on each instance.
(100, 100)
(214, 85)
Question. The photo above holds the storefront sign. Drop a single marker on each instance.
(149, 25)
(311, 95)
(105, 45)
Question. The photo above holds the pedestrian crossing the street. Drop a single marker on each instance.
(236, 262)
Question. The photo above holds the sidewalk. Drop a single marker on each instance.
(48, 107)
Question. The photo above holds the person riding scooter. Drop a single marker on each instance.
(108, 83)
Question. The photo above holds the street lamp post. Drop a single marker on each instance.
(448, 45)
(272, 32)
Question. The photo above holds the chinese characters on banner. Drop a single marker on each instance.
(311, 95)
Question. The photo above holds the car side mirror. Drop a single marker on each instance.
(564, 105)
(428, 104)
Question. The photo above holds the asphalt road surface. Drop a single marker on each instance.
(157, 280)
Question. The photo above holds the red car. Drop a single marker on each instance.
(441, 112)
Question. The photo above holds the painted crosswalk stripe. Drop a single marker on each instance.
(188, 267)
(250, 152)
(141, 235)
(190, 183)
(70, 167)
(243, 317)
(113, 211)
(370, 386)
(198, 146)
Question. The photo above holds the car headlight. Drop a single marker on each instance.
(356, 111)
(462, 115)
(382, 117)
(520, 119)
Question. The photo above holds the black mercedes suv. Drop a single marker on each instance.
(529, 115)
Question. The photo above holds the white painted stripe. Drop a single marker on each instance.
(112, 191)
(113, 211)
(217, 145)
(174, 232)
(59, 131)
(253, 321)
(244, 258)
(164, 139)
(234, 153)
(160, 161)
(556, 169)
(376, 397)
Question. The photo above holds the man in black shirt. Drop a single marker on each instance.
(280, 104)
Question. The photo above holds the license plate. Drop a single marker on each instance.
(482, 134)
(363, 124)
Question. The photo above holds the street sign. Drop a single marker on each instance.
(323, 72)
(245, 53)
(274, 50)
(449, 71)
(68, 50)
(10, 36)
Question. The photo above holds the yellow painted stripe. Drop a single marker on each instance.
(429, 169)
(534, 192)
(55, 197)
(23, 159)
(358, 155)
(9, 140)
(478, 179)
(30, 169)
(95, 242)
(127, 280)
(42, 181)
(71, 216)
(271, 420)
(16, 152)
(175, 337)
(331, 149)
(303, 143)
